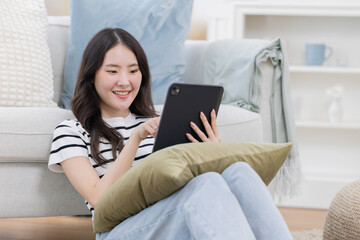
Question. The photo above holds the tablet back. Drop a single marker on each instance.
(183, 104)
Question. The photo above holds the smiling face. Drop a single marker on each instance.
(117, 81)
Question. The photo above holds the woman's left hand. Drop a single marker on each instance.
(212, 134)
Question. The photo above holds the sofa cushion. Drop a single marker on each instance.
(25, 67)
(161, 27)
(167, 170)
(26, 133)
(237, 124)
(234, 64)
(31, 130)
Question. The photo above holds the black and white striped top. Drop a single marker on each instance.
(70, 139)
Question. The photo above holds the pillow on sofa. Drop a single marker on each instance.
(161, 27)
(167, 170)
(235, 65)
(26, 78)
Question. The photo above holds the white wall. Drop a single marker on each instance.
(57, 7)
(203, 13)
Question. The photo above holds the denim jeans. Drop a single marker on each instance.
(233, 205)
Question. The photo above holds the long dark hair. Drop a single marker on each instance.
(86, 102)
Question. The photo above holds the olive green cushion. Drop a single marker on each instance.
(165, 171)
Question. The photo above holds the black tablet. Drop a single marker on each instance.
(183, 104)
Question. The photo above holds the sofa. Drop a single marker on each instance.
(29, 189)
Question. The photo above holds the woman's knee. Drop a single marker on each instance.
(239, 167)
(208, 177)
(209, 187)
(239, 170)
(207, 182)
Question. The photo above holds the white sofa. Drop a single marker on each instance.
(29, 189)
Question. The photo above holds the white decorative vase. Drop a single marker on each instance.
(335, 110)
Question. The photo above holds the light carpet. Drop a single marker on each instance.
(315, 234)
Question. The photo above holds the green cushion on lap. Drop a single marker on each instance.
(165, 171)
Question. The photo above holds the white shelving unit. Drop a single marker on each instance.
(319, 70)
(330, 152)
(329, 125)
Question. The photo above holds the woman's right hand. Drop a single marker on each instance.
(147, 128)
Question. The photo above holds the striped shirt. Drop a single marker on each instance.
(70, 139)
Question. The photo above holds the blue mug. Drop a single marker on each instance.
(315, 54)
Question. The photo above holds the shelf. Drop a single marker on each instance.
(351, 125)
(325, 69)
(310, 8)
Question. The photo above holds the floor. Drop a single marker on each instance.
(50, 228)
(304, 219)
(71, 228)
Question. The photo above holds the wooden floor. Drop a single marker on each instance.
(71, 228)
(51, 228)
(304, 219)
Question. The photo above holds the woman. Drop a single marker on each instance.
(114, 129)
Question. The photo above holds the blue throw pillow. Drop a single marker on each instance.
(161, 27)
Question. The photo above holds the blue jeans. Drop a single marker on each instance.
(233, 205)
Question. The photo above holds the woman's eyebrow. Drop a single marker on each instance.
(115, 65)
(112, 65)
